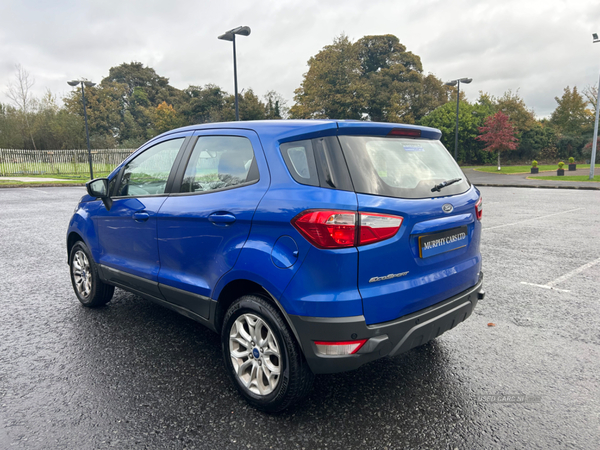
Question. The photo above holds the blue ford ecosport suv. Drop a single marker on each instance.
(310, 246)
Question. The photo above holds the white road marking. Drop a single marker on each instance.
(533, 218)
(545, 286)
(566, 276)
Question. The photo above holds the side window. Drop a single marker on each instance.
(147, 173)
(220, 162)
(300, 161)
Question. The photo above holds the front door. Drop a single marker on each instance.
(127, 232)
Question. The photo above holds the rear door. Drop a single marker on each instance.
(435, 253)
(203, 227)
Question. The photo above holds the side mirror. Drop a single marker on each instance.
(98, 188)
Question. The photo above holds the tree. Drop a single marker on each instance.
(332, 86)
(143, 79)
(375, 78)
(428, 95)
(539, 142)
(573, 122)
(54, 128)
(499, 134)
(591, 96)
(10, 128)
(251, 108)
(20, 95)
(142, 91)
(105, 114)
(204, 104)
(522, 118)
(571, 116)
(470, 118)
(391, 76)
(275, 106)
(587, 150)
(166, 118)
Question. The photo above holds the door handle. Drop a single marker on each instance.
(218, 218)
(141, 216)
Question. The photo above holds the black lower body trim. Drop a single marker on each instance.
(384, 339)
(196, 307)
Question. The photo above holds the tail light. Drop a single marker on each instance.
(377, 227)
(327, 229)
(340, 229)
(339, 348)
(479, 208)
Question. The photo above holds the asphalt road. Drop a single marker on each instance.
(135, 375)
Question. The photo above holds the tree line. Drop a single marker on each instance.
(375, 78)
(128, 107)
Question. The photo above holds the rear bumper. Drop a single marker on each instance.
(384, 339)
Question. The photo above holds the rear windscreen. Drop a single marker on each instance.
(400, 167)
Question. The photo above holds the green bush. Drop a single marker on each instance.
(571, 160)
(534, 163)
(561, 165)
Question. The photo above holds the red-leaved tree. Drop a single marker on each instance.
(588, 147)
(498, 133)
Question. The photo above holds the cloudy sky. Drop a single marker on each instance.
(537, 47)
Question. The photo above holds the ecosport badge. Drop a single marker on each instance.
(388, 277)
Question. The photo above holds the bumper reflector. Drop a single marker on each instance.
(339, 348)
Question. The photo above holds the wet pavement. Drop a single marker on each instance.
(135, 375)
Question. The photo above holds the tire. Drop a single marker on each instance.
(280, 375)
(88, 287)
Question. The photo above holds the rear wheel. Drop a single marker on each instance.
(88, 287)
(262, 357)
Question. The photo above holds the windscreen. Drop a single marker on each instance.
(400, 167)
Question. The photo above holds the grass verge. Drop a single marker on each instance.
(522, 169)
(569, 178)
(78, 178)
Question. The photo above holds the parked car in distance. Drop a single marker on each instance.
(310, 246)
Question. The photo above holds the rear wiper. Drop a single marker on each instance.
(443, 184)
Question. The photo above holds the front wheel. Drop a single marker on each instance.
(262, 357)
(88, 287)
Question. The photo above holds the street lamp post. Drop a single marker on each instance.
(230, 36)
(455, 83)
(593, 160)
(87, 132)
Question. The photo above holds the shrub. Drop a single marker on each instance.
(534, 163)
(561, 165)
(548, 153)
(571, 160)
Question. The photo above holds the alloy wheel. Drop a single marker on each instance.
(255, 354)
(82, 274)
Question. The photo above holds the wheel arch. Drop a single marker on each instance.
(240, 287)
(72, 238)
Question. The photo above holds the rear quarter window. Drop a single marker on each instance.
(300, 160)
